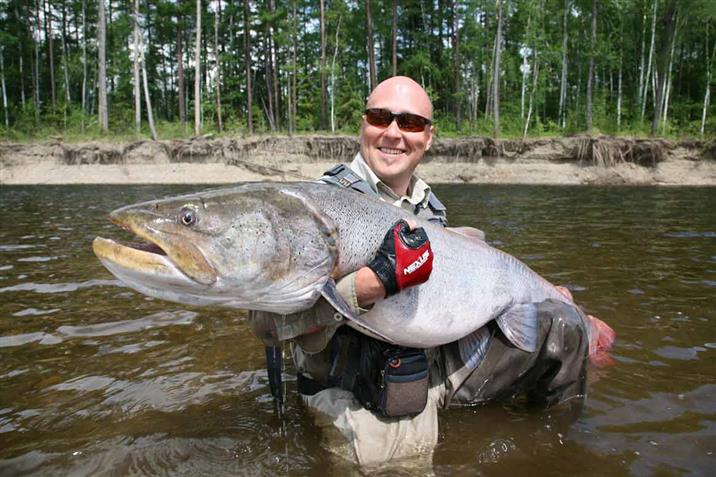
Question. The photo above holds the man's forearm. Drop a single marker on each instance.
(369, 288)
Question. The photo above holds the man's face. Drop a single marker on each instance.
(391, 153)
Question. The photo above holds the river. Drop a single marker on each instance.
(96, 379)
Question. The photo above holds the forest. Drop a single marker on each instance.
(503, 68)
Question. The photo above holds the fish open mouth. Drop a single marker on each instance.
(145, 256)
(147, 247)
(160, 248)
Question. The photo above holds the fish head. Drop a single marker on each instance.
(249, 247)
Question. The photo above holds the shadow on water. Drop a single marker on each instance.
(97, 379)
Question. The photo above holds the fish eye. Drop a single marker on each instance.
(187, 217)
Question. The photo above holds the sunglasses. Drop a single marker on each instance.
(408, 122)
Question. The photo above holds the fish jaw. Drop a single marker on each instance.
(149, 273)
(172, 238)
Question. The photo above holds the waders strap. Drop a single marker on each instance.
(273, 366)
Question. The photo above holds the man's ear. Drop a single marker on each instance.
(430, 138)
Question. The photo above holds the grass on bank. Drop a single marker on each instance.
(71, 127)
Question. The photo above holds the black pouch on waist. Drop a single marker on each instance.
(389, 380)
(403, 386)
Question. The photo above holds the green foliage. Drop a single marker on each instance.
(446, 46)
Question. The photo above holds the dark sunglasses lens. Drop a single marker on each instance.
(379, 117)
(411, 122)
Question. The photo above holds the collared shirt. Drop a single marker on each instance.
(418, 190)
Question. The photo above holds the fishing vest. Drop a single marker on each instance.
(342, 176)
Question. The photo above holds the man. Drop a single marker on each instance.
(396, 131)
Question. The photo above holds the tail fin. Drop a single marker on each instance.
(601, 341)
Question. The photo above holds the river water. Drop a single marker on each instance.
(96, 379)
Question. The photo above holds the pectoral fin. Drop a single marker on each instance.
(519, 324)
(331, 295)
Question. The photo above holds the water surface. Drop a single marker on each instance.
(97, 379)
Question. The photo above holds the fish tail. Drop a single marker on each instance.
(601, 340)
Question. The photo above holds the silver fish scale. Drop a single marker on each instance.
(471, 284)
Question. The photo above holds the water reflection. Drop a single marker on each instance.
(96, 379)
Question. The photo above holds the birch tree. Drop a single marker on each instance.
(590, 74)
(496, 70)
(247, 63)
(372, 80)
(136, 86)
(648, 77)
(217, 71)
(709, 72)
(668, 25)
(2, 84)
(322, 64)
(197, 72)
(394, 39)
(102, 70)
(562, 116)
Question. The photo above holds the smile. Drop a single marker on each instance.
(391, 151)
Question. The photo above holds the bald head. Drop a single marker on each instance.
(404, 91)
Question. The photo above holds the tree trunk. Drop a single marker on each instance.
(333, 78)
(457, 62)
(640, 91)
(371, 51)
(50, 53)
(180, 76)
(148, 102)
(668, 24)
(274, 70)
(2, 83)
(36, 67)
(668, 76)
(294, 79)
(22, 80)
(394, 39)
(707, 94)
(268, 64)
(247, 63)
(322, 65)
(64, 60)
(590, 74)
(102, 70)
(136, 86)
(496, 72)
(648, 66)
(562, 115)
(535, 75)
(292, 69)
(219, 119)
(84, 65)
(619, 93)
(197, 73)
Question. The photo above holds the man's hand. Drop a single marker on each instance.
(404, 259)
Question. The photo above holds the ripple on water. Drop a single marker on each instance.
(677, 353)
(13, 247)
(691, 234)
(155, 320)
(35, 312)
(38, 259)
(59, 287)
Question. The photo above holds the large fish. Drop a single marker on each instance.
(279, 247)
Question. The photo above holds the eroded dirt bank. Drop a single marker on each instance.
(571, 160)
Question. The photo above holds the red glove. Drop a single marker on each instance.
(404, 259)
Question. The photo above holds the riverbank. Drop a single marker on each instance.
(571, 160)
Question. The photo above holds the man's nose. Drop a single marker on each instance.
(393, 130)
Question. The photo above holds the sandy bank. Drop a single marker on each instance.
(574, 160)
